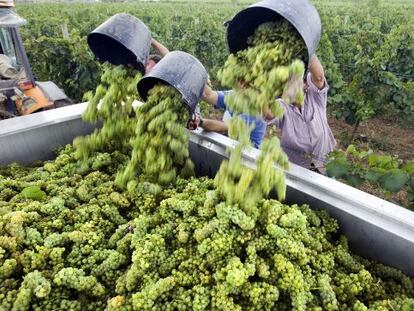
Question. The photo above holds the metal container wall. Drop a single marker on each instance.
(376, 229)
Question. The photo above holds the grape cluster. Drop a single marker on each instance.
(160, 144)
(266, 70)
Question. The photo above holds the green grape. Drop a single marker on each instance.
(260, 74)
(33, 285)
(327, 293)
(76, 279)
(111, 104)
(163, 115)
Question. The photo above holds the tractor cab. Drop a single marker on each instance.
(20, 94)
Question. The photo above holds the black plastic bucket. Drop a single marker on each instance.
(300, 13)
(182, 71)
(121, 40)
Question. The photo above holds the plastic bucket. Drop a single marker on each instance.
(121, 40)
(180, 70)
(299, 13)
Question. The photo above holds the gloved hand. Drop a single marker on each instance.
(194, 122)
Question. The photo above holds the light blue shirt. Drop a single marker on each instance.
(259, 130)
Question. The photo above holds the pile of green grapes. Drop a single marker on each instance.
(76, 241)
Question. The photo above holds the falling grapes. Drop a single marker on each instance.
(160, 145)
(266, 70)
(110, 104)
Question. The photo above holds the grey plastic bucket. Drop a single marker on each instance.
(300, 13)
(122, 40)
(182, 71)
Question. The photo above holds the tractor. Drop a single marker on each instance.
(20, 93)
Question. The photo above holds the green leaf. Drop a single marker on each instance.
(337, 168)
(407, 307)
(351, 150)
(384, 161)
(411, 184)
(394, 180)
(354, 180)
(409, 167)
(374, 174)
(33, 193)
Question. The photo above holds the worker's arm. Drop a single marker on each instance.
(208, 125)
(160, 48)
(213, 125)
(209, 96)
(317, 72)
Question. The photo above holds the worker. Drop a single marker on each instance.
(306, 136)
(217, 100)
(155, 58)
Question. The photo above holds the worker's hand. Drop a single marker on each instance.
(267, 114)
(194, 122)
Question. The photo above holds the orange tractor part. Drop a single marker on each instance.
(34, 99)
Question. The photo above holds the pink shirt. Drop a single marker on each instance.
(307, 137)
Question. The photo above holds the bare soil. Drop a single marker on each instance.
(387, 135)
(383, 135)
